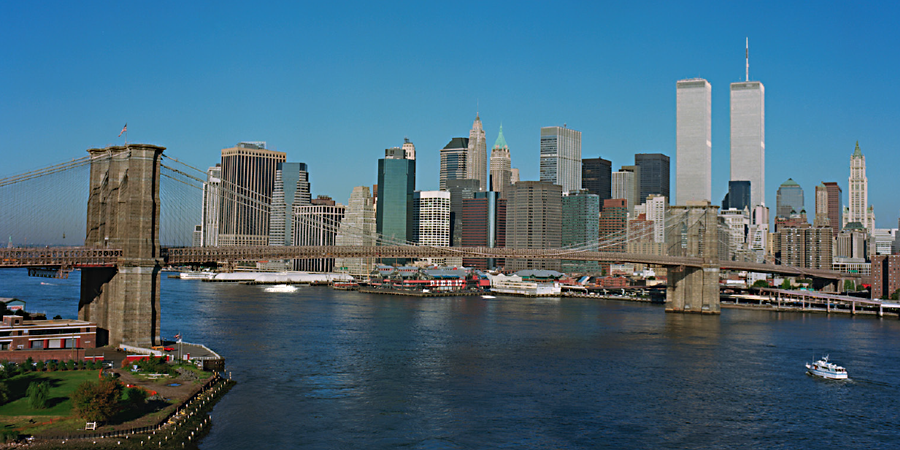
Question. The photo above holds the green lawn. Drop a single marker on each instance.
(61, 385)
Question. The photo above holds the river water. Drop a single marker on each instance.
(331, 369)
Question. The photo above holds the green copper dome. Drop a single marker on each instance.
(790, 182)
(857, 153)
(501, 141)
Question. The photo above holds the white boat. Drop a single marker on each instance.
(197, 275)
(823, 368)
(487, 297)
(281, 288)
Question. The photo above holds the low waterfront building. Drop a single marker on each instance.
(518, 285)
(885, 275)
(45, 339)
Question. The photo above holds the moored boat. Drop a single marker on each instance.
(196, 275)
(825, 369)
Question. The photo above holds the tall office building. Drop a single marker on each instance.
(821, 218)
(738, 196)
(396, 186)
(748, 137)
(501, 165)
(431, 218)
(409, 149)
(460, 190)
(561, 157)
(626, 184)
(453, 161)
(357, 229)
(580, 228)
(291, 189)
(789, 199)
(534, 221)
(484, 225)
(476, 162)
(655, 208)
(835, 208)
(654, 171)
(613, 225)
(693, 129)
(596, 177)
(316, 225)
(858, 193)
(248, 182)
(212, 193)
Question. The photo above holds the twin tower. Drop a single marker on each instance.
(694, 139)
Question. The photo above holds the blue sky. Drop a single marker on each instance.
(334, 83)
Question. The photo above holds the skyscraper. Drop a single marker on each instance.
(789, 199)
(821, 219)
(396, 186)
(316, 225)
(625, 185)
(212, 193)
(248, 182)
(431, 218)
(476, 161)
(748, 137)
(534, 221)
(580, 227)
(613, 225)
(693, 129)
(291, 189)
(738, 196)
(858, 193)
(484, 225)
(835, 207)
(357, 228)
(501, 175)
(597, 177)
(561, 157)
(460, 190)
(654, 170)
(453, 161)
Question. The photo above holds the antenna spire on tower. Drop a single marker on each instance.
(748, 59)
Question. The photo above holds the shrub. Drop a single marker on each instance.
(40, 366)
(136, 396)
(51, 366)
(71, 365)
(97, 401)
(760, 284)
(4, 394)
(29, 364)
(38, 392)
(9, 436)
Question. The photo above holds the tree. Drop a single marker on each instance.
(896, 295)
(97, 401)
(760, 284)
(849, 286)
(38, 393)
(786, 284)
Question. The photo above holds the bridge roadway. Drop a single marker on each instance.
(94, 257)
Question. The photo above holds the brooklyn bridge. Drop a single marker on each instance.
(122, 255)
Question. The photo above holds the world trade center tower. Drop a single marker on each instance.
(693, 129)
(748, 137)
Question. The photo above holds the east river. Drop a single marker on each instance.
(330, 369)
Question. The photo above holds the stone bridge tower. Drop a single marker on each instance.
(123, 212)
(696, 289)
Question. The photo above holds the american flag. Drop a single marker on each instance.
(124, 129)
(178, 337)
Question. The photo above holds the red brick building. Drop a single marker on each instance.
(45, 339)
(885, 275)
(613, 223)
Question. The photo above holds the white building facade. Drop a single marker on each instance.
(748, 137)
(693, 129)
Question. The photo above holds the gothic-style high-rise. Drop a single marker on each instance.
(500, 165)
(858, 194)
(476, 160)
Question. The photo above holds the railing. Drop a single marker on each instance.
(59, 256)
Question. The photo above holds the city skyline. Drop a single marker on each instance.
(180, 80)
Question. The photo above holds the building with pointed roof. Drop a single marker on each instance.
(476, 160)
(501, 164)
(859, 209)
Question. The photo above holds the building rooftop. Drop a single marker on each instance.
(857, 153)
